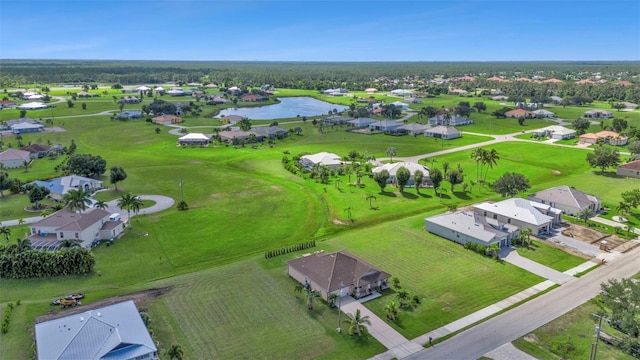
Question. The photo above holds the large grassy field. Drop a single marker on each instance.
(243, 203)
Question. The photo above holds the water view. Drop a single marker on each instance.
(287, 108)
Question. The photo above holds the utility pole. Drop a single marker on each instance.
(594, 347)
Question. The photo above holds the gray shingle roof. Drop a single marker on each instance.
(566, 196)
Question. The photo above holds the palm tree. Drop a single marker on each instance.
(623, 208)
(477, 155)
(101, 204)
(348, 211)
(391, 310)
(175, 352)
(68, 243)
(403, 297)
(311, 295)
(525, 236)
(126, 201)
(490, 159)
(5, 231)
(585, 213)
(495, 249)
(136, 204)
(391, 151)
(357, 323)
(371, 197)
(77, 199)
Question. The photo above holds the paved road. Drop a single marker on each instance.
(491, 334)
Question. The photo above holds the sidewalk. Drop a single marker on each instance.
(379, 329)
(511, 256)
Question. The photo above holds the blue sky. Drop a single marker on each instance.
(329, 30)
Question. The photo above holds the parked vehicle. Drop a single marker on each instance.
(67, 299)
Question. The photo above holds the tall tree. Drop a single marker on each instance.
(86, 165)
(418, 177)
(77, 199)
(5, 231)
(511, 184)
(603, 157)
(490, 159)
(37, 194)
(402, 177)
(480, 106)
(357, 323)
(621, 299)
(581, 125)
(634, 148)
(5, 182)
(478, 155)
(391, 152)
(126, 201)
(381, 179)
(454, 177)
(391, 310)
(117, 175)
(175, 352)
(435, 175)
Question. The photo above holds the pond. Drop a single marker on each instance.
(289, 107)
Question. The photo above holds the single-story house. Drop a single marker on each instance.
(413, 100)
(335, 92)
(34, 97)
(556, 132)
(496, 79)
(129, 100)
(231, 119)
(571, 201)
(522, 213)
(167, 120)
(7, 104)
(630, 169)
(400, 105)
(84, 94)
(58, 187)
(458, 92)
(496, 92)
(370, 90)
(500, 98)
(143, 88)
(27, 120)
(361, 122)
(129, 114)
(330, 160)
(252, 97)
(232, 136)
(269, 132)
(609, 137)
(234, 90)
(217, 100)
(556, 99)
(86, 228)
(194, 139)
(393, 168)
(629, 105)
(37, 150)
(443, 132)
(413, 129)
(32, 106)
(519, 113)
(598, 114)
(402, 92)
(336, 119)
(467, 226)
(385, 125)
(26, 127)
(543, 113)
(624, 83)
(176, 92)
(14, 158)
(552, 81)
(453, 120)
(112, 332)
(339, 273)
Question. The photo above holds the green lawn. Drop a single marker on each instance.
(570, 336)
(550, 256)
(451, 281)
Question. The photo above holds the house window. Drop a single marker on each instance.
(62, 235)
(508, 221)
(485, 213)
(495, 216)
(77, 236)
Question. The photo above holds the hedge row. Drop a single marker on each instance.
(286, 250)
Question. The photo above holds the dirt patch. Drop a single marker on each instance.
(141, 299)
(532, 338)
(592, 236)
(217, 195)
(276, 187)
(340, 222)
(556, 172)
(565, 248)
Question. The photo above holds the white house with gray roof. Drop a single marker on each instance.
(443, 132)
(556, 132)
(85, 228)
(466, 226)
(522, 213)
(324, 158)
(571, 201)
(392, 169)
(114, 332)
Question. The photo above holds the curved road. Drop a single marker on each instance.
(161, 203)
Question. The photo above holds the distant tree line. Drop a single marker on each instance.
(289, 249)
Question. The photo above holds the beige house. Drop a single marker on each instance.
(630, 169)
(13, 158)
(339, 273)
(571, 201)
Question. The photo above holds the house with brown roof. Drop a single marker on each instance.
(519, 113)
(252, 97)
(630, 169)
(552, 80)
(608, 137)
(7, 104)
(624, 83)
(85, 228)
(13, 158)
(167, 119)
(339, 273)
(233, 136)
(37, 150)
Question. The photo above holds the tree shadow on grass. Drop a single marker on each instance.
(461, 195)
(407, 195)
(425, 196)
(387, 194)
(609, 174)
